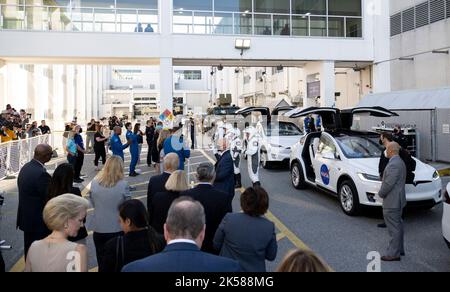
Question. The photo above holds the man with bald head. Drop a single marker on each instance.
(184, 232)
(32, 183)
(393, 193)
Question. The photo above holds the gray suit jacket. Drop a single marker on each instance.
(392, 190)
(249, 240)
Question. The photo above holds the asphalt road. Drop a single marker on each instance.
(308, 218)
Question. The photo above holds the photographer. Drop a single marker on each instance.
(7, 132)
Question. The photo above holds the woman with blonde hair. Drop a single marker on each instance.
(163, 136)
(108, 191)
(64, 216)
(161, 201)
(302, 261)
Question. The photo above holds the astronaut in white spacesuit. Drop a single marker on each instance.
(253, 152)
(234, 136)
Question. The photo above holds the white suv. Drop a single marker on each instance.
(446, 216)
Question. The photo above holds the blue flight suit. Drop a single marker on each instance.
(117, 147)
(134, 150)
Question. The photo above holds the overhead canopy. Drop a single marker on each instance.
(410, 100)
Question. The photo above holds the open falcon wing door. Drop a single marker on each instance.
(377, 111)
(281, 110)
(265, 111)
(330, 116)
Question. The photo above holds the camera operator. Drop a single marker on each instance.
(7, 132)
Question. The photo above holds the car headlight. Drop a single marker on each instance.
(369, 177)
(436, 175)
(275, 145)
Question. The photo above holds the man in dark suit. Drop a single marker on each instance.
(393, 193)
(225, 170)
(33, 184)
(157, 183)
(184, 232)
(216, 203)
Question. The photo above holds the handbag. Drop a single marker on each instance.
(120, 255)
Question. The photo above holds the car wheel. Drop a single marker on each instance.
(348, 197)
(297, 177)
(265, 160)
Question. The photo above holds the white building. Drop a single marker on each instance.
(327, 48)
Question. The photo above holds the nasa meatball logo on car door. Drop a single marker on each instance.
(325, 174)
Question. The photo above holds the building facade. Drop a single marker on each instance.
(328, 50)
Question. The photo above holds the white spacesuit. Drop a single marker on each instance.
(234, 136)
(219, 134)
(253, 152)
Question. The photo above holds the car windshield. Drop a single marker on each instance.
(359, 147)
(282, 129)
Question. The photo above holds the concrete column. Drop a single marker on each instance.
(327, 84)
(382, 45)
(165, 17)
(166, 84)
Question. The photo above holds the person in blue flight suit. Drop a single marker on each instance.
(116, 144)
(134, 148)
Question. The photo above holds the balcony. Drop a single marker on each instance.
(79, 19)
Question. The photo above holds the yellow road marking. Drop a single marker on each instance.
(93, 270)
(280, 236)
(19, 266)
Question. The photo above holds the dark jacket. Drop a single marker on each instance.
(410, 164)
(225, 174)
(156, 184)
(217, 204)
(159, 207)
(249, 240)
(149, 134)
(33, 184)
(183, 257)
(128, 248)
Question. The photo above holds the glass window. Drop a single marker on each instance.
(94, 3)
(192, 5)
(273, 6)
(243, 23)
(144, 4)
(326, 145)
(300, 26)
(359, 147)
(233, 5)
(105, 20)
(223, 23)
(182, 22)
(319, 26)
(126, 20)
(344, 7)
(318, 7)
(354, 27)
(336, 27)
(263, 24)
(203, 22)
(281, 25)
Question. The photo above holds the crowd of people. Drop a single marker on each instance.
(17, 125)
(181, 229)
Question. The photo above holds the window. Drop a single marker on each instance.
(273, 6)
(143, 4)
(354, 27)
(223, 23)
(192, 4)
(359, 147)
(336, 27)
(319, 26)
(263, 24)
(233, 5)
(318, 7)
(94, 3)
(189, 74)
(281, 25)
(243, 24)
(326, 145)
(344, 7)
(300, 26)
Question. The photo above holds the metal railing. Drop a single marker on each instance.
(77, 19)
(268, 24)
(14, 154)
